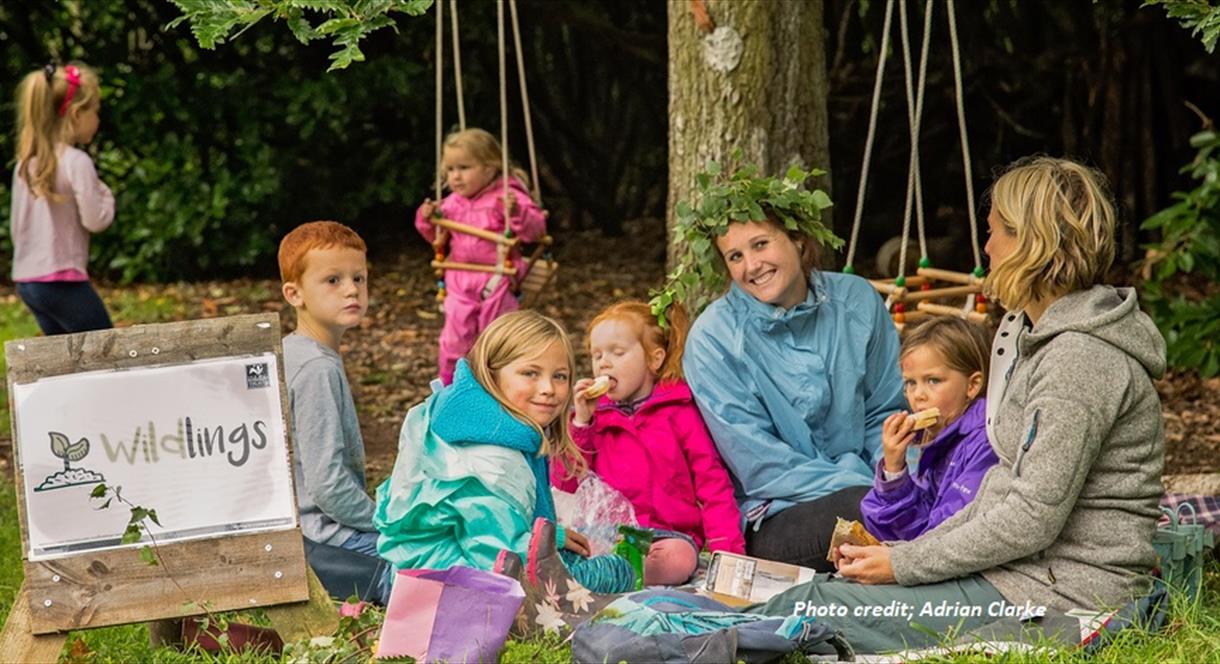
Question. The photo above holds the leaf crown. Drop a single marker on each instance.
(740, 197)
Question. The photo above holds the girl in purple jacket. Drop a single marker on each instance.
(944, 365)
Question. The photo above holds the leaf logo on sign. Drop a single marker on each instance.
(64, 448)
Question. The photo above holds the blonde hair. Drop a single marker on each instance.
(1063, 218)
(41, 127)
(524, 334)
(484, 149)
(964, 346)
(671, 339)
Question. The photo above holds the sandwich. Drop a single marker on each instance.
(849, 532)
(600, 386)
(926, 418)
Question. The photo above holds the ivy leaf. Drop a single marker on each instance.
(148, 556)
(131, 535)
(98, 491)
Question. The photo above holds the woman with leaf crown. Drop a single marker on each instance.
(793, 368)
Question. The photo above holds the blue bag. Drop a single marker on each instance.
(677, 627)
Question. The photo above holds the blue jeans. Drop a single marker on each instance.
(64, 307)
(366, 543)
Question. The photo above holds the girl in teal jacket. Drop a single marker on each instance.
(472, 469)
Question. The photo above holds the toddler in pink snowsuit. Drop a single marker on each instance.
(471, 165)
(646, 439)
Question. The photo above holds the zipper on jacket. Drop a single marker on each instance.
(1029, 440)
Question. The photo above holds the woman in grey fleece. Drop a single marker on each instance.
(1065, 520)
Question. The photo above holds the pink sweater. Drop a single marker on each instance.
(53, 236)
(663, 460)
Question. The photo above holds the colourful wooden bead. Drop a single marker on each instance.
(900, 317)
(927, 285)
(900, 308)
(981, 308)
(900, 282)
(847, 269)
(924, 262)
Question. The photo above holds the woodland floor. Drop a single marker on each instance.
(391, 358)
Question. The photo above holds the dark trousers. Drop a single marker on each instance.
(801, 534)
(64, 307)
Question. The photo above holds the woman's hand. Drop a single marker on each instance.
(866, 564)
(576, 543)
(897, 434)
(583, 404)
(427, 209)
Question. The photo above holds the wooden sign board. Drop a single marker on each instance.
(190, 420)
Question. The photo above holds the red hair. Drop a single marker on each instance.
(313, 235)
(652, 336)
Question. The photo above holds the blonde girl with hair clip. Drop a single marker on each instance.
(58, 199)
(472, 477)
(470, 164)
(1065, 519)
(646, 438)
(944, 366)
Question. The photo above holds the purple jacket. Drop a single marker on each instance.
(950, 471)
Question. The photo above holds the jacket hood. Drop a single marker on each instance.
(745, 304)
(1107, 313)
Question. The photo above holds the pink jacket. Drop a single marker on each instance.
(487, 212)
(663, 460)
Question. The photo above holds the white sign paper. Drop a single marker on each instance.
(203, 444)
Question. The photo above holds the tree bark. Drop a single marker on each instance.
(758, 82)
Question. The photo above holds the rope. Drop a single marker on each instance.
(923, 86)
(872, 132)
(914, 116)
(961, 124)
(440, 100)
(906, 213)
(503, 110)
(457, 64)
(536, 184)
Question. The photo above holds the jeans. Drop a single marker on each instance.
(801, 534)
(64, 307)
(366, 543)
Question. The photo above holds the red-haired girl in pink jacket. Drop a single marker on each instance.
(646, 438)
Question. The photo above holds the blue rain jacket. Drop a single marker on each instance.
(795, 398)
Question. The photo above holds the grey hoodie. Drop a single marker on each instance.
(1065, 520)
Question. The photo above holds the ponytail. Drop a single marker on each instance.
(652, 336)
(47, 100)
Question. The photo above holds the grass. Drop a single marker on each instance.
(1193, 634)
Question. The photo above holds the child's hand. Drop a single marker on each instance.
(583, 403)
(576, 543)
(897, 433)
(428, 209)
(510, 203)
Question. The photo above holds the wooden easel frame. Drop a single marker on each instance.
(104, 588)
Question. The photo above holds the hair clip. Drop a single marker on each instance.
(72, 76)
(49, 70)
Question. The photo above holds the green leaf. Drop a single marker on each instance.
(148, 556)
(131, 535)
(98, 491)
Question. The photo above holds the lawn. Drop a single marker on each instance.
(1193, 634)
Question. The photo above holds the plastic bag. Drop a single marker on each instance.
(595, 510)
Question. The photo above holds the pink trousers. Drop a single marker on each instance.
(467, 313)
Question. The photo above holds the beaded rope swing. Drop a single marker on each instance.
(898, 293)
(540, 266)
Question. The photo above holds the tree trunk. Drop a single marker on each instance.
(758, 82)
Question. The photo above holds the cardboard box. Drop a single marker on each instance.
(751, 579)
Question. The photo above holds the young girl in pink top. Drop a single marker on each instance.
(645, 437)
(471, 165)
(58, 199)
